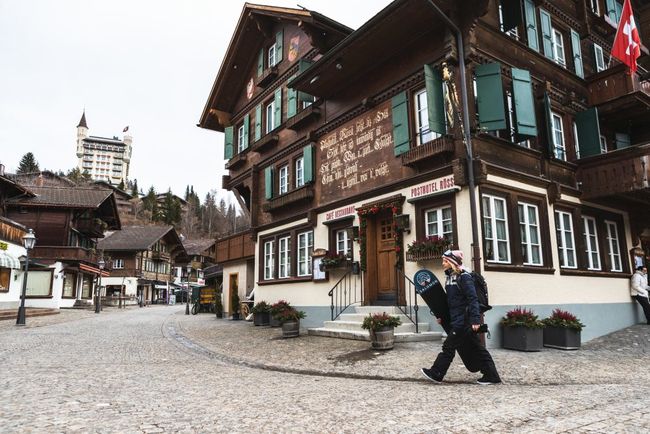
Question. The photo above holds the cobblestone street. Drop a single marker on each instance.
(157, 370)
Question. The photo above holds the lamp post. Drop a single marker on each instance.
(187, 279)
(28, 242)
(98, 290)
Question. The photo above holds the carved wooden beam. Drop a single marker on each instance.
(262, 25)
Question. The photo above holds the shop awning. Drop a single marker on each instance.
(94, 270)
(7, 260)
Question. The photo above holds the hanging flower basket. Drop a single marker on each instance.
(427, 249)
(334, 261)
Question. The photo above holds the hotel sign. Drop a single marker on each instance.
(431, 188)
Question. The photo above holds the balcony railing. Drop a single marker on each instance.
(64, 253)
(267, 76)
(614, 83)
(302, 194)
(236, 161)
(92, 227)
(433, 148)
(303, 117)
(265, 143)
(235, 247)
(160, 256)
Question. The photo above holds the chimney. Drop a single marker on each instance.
(40, 181)
(2, 169)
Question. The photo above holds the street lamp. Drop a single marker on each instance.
(28, 241)
(98, 290)
(187, 279)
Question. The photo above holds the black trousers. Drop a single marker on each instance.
(472, 351)
(643, 301)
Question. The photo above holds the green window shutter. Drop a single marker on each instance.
(435, 99)
(228, 148)
(268, 182)
(277, 113)
(258, 123)
(531, 25)
(260, 62)
(549, 125)
(588, 132)
(247, 125)
(577, 54)
(610, 6)
(623, 140)
(303, 65)
(278, 46)
(489, 88)
(511, 12)
(522, 89)
(400, 123)
(308, 163)
(547, 33)
(292, 101)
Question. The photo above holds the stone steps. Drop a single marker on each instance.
(30, 312)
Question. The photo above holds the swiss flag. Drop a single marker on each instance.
(627, 44)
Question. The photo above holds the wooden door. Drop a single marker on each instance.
(234, 287)
(385, 236)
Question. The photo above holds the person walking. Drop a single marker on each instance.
(639, 289)
(465, 322)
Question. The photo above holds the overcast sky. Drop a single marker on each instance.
(149, 64)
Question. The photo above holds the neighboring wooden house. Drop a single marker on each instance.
(201, 254)
(360, 147)
(236, 254)
(123, 199)
(42, 178)
(143, 259)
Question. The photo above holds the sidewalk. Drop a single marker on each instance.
(604, 360)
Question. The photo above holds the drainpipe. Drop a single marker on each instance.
(476, 251)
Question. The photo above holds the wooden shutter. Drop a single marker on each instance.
(247, 125)
(292, 101)
(435, 99)
(577, 54)
(611, 10)
(588, 132)
(277, 113)
(268, 182)
(400, 124)
(260, 62)
(228, 148)
(303, 65)
(549, 125)
(531, 25)
(258, 123)
(511, 12)
(547, 33)
(489, 90)
(308, 163)
(522, 89)
(278, 46)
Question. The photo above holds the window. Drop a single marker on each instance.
(531, 247)
(39, 284)
(514, 138)
(614, 246)
(495, 229)
(558, 48)
(558, 137)
(269, 260)
(423, 133)
(591, 243)
(305, 248)
(284, 180)
(118, 264)
(593, 5)
(343, 243)
(271, 56)
(438, 223)
(576, 141)
(600, 58)
(240, 138)
(69, 285)
(603, 144)
(513, 33)
(270, 121)
(5, 275)
(284, 269)
(307, 102)
(565, 239)
(300, 172)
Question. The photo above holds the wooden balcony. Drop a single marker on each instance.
(236, 161)
(267, 77)
(617, 93)
(426, 151)
(94, 228)
(239, 246)
(11, 231)
(160, 256)
(618, 174)
(304, 193)
(265, 143)
(64, 253)
(303, 118)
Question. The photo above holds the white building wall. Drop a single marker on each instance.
(11, 299)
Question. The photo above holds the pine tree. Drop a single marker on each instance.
(150, 203)
(28, 164)
(74, 175)
(121, 185)
(134, 189)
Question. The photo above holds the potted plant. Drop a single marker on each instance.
(427, 248)
(290, 320)
(218, 306)
(382, 329)
(234, 306)
(562, 330)
(261, 313)
(276, 308)
(522, 330)
(333, 260)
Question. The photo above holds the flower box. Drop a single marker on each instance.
(522, 338)
(417, 257)
(261, 318)
(562, 338)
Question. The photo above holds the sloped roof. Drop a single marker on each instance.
(82, 121)
(68, 197)
(134, 238)
(197, 247)
(42, 177)
(13, 188)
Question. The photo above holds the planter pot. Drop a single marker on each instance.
(274, 322)
(562, 338)
(235, 316)
(291, 329)
(522, 338)
(261, 318)
(219, 314)
(383, 339)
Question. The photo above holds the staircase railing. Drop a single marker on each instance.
(407, 300)
(347, 291)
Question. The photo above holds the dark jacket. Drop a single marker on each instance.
(462, 300)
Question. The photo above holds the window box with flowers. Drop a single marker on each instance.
(427, 249)
(333, 261)
(562, 330)
(522, 330)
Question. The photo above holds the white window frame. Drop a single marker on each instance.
(603, 144)
(269, 260)
(591, 243)
(300, 172)
(576, 140)
(513, 33)
(283, 180)
(118, 264)
(305, 249)
(270, 115)
(559, 149)
(284, 257)
(565, 234)
(558, 47)
(240, 138)
(271, 57)
(615, 258)
(421, 106)
(489, 218)
(343, 243)
(511, 119)
(600, 58)
(594, 7)
(528, 229)
(435, 217)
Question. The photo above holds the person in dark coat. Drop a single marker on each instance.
(465, 322)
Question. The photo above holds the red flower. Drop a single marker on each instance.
(398, 249)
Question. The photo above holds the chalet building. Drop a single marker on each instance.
(201, 254)
(143, 259)
(67, 222)
(236, 256)
(501, 128)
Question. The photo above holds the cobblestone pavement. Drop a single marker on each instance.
(157, 370)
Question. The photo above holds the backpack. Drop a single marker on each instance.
(481, 291)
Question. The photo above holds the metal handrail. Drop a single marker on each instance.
(407, 300)
(346, 292)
